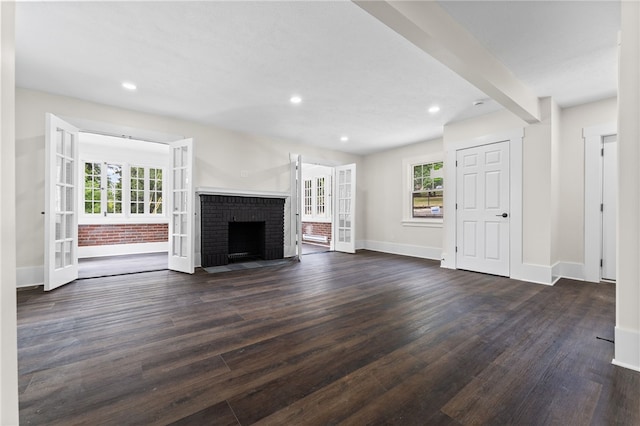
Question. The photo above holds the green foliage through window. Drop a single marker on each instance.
(428, 187)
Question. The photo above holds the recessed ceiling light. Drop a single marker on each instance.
(344, 138)
(434, 109)
(295, 99)
(129, 86)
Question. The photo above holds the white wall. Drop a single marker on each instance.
(8, 326)
(571, 172)
(224, 159)
(627, 332)
(384, 182)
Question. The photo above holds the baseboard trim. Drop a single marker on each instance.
(432, 253)
(537, 274)
(120, 249)
(627, 349)
(570, 270)
(28, 276)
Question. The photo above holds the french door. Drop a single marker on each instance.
(482, 209)
(61, 207)
(344, 203)
(609, 206)
(181, 202)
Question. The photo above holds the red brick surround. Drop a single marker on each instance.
(317, 228)
(101, 235)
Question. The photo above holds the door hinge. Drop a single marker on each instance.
(456, 206)
(601, 207)
(456, 163)
(601, 263)
(456, 249)
(601, 152)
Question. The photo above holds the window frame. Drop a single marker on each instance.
(126, 214)
(310, 198)
(408, 189)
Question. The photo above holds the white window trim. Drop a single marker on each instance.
(126, 216)
(407, 190)
(314, 217)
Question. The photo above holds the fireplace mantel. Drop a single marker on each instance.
(240, 193)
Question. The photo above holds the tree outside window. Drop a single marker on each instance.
(427, 193)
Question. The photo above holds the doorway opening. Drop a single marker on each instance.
(316, 209)
(122, 221)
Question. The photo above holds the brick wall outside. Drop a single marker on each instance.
(101, 235)
(317, 228)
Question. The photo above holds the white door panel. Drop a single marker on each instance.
(344, 223)
(482, 197)
(181, 223)
(609, 206)
(61, 206)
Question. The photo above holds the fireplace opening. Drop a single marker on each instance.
(235, 228)
(246, 241)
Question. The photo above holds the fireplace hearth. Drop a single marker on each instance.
(239, 228)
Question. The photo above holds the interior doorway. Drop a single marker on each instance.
(122, 221)
(316, 208)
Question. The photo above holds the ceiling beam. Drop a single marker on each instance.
(432, 29)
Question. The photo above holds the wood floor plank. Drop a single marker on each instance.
(369, 338)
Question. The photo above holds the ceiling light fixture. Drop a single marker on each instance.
(295, 99)
(129, 86)
(344, 138)
(434, 109)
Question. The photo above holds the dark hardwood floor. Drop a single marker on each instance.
(96, 267)
(357, 339)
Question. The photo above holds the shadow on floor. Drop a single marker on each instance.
(94, 267)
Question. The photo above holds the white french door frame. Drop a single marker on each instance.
(593, 137)
(181, 206)
(344, 208)
(517, 269)
(61, 207)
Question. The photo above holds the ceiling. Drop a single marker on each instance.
(236, 64)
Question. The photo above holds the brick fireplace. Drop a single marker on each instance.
(240, 227)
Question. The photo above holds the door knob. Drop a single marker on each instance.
(503, 215)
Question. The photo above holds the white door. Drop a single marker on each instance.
(295, 205)
(609, 206)
(181, 224)
(61, 208)
(482, 215)
(344, 223)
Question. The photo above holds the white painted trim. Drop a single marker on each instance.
(241, 193)
(538, 274)
(122, 220)
(517, 269)
(27, 276)
(433, 223)
(627, 349)
(433, 253)
(120, 249)
(592, 198)
(407, 185)
(570, 270)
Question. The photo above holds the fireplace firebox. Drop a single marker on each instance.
(238, 228)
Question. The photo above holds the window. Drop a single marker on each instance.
(316, 198)
(427, 195)
(114, 189)
(92, 188)
(155, 191)
(137, 190)
(105, 187)
(320, 199)
(423, 192)
(308, 199)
